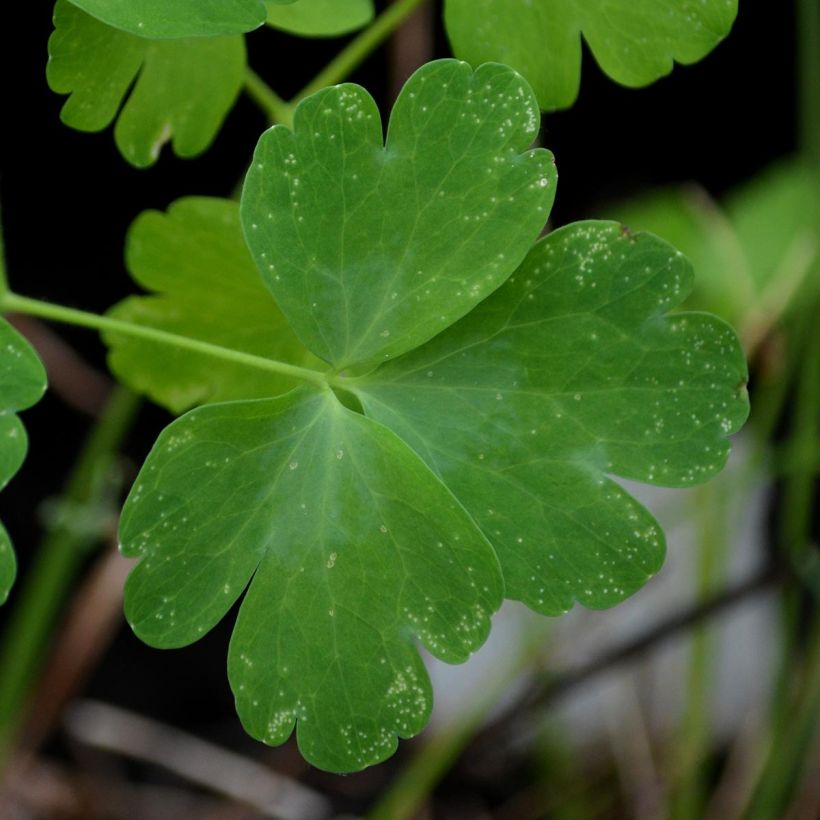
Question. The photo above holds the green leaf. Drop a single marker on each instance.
(634, 41)
(22, 383)
(204, 286)
(371, 249)
(351, 547)
(753, 253)
(572, 372)
(172, 19)
(320, 18)
(179, 90)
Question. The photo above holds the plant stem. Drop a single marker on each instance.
(58, 561)
(275, 108)
(357, 51)
(71, 316)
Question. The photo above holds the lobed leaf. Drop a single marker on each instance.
(22, 383)
(634, 41)
(371, 248)
(572, 372)
(352, 548)
(320, 18)
(173, 19)
(204, 285)
(177, 90)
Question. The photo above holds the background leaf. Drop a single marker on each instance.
(573, 371)
(752, 251)
(205, 286)
(22, 383)
(320, 18)
(353, 547)
(161, 19)
(371, 249)
(178, 90)
(634, 41)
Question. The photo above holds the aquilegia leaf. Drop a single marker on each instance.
(354, 549)
(320, 18)
(570, 373)
(177, 90)
(494, 415)
(173, 19)
(634, 41)
(204, 286)
(378, 246)
(22, 383)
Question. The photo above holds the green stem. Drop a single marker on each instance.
(275, 108)
(360, 48)
(60, 558)
(60, 313)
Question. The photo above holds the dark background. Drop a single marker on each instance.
(68, 199)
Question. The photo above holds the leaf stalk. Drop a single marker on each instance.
(59, 313)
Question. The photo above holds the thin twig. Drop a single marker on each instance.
(117, 730)
(542, 692)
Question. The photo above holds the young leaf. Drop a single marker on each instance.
(351, 546)
(634, 41)
(204, 286)
(22, 383)
(570, 373)
(320, 18)
(370, 248)
(173, 19)
(178, 90)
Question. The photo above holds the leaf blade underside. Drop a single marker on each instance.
(158, 91)
(183, 258)
(634, 41)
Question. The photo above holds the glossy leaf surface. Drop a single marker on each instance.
(570, 373)
(161, 19)
(352, 548)
(158, 91)
(320, 18)
(370, 248)
(634, 41)
(204, 286)
(22, 383)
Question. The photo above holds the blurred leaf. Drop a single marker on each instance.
(320, 18)
(634, 41)
(161, 19)
(22, 383)
(752, 255)
(205, 286)
(178, 90)
(352, 548)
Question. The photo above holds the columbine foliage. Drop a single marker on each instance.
(22, 383)
(158, 90)
(184, 258)
(494, 415)
(634, 41)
